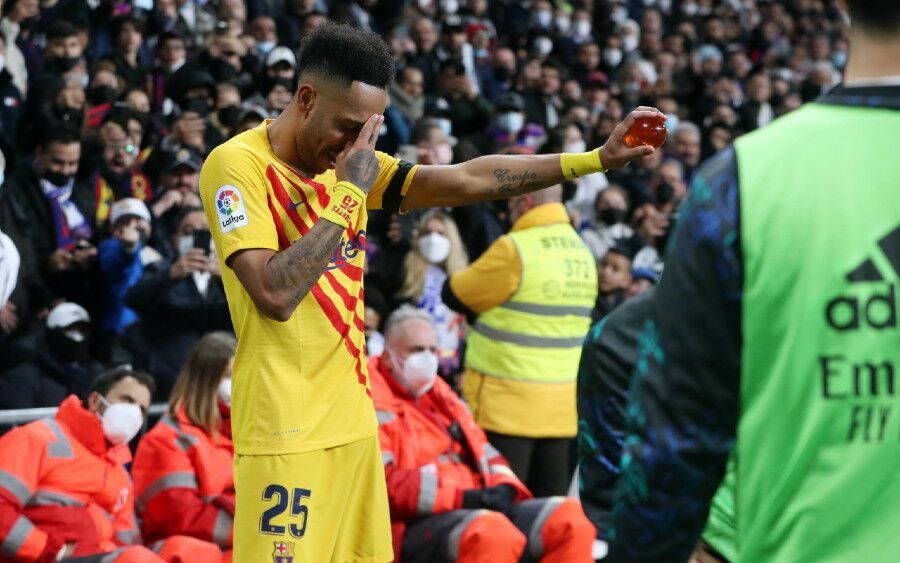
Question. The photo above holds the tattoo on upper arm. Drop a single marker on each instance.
(515, 183)
(362, 169)
(299, 267)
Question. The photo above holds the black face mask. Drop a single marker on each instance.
(58, 179)
(502, 73)
(66, 349)
(115, 179)
(65, 64)
(29, 24)
(612, 215)
(198, 105)
(665, 193)
(99, 95)
(228, 115)
(222, 70)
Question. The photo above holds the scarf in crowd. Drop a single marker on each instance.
(448, 325)
(134, 184)
(71, 226)
(411, 108)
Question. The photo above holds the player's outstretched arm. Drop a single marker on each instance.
(278, 281)
(502, 176)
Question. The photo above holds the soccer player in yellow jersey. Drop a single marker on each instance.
(286, 204)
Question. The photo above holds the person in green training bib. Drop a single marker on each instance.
(775, 331)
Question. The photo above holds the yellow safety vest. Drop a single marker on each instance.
(536, 336)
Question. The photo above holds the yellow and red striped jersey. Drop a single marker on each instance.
(303, 384)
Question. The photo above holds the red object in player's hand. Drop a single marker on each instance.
(647, 131)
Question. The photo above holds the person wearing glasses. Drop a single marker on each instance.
(117, 176)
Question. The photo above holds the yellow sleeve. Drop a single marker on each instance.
(394, 178)
(492, 279)
(233, 190)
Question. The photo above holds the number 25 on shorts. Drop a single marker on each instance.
(299, 511)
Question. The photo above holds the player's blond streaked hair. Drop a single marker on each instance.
(196, 388)
(416, 264)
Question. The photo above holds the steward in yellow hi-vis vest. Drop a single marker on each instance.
(533, 290)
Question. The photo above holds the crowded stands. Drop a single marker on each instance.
(107, 268)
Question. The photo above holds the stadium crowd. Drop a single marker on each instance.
(110, 107)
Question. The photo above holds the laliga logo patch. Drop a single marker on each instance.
(230, 208)
(284, 552)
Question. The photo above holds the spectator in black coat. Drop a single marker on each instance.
(178, 302)
(48, 214)
(60, 364)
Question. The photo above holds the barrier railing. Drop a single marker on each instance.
(24, 416)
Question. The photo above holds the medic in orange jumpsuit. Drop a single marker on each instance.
(183, 476)
(64, 490)
(452, 495)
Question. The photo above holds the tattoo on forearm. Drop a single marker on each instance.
(515, 183)
(299, 267)
(362, 169)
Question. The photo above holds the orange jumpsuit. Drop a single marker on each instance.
(433, 451)
(184, 482)
(62, 483)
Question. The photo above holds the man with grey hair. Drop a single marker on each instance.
(451, 494)
(684, 146)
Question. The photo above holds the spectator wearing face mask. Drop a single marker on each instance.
(61, 364)
(122, 258)
(65, 491)
(508, 126)
(452, 495)
(178, 302)
(48, 214)
(608, 225)
(437, 253)
(182, 472)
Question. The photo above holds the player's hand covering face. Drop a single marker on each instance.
(357, 163)
(335, 115)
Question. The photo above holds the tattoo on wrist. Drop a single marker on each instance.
(515, 183)
(362, 169)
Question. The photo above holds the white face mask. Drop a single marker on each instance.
(434, 247)
(75, 335)
(417, 373)
(629, 43)
(576, 146)
(224, 391)
(121, 421)
(449, 6)
(619, 15)
(445, 124)
(689, 9)
(563, 24)
(543, 18)
(612, 56)
(511, 122)
(582, 28)
(375, 345)
(543, 46)
(185, 243)
(265, 46)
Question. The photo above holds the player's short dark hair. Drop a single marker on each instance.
(59, 133)
(105, 381)
(346, 54)
(882, 16)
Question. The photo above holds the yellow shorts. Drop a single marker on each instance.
(319, 506)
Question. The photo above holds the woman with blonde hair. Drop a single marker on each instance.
(437, 253)
(182, 470)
